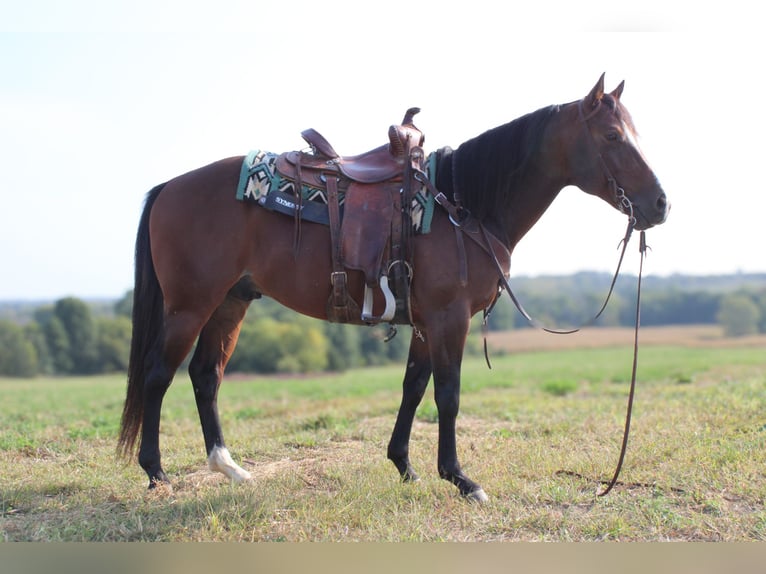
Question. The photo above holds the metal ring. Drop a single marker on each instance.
(407, 266)
(626, 206)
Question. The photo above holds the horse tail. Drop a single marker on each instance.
(147, 330)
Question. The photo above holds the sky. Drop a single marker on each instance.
(100, 101)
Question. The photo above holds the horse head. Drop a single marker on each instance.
(606, 160)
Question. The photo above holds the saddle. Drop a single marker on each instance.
(377, 186)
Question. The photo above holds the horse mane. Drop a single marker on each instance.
(489, 167)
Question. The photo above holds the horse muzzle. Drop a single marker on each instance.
(650, 213)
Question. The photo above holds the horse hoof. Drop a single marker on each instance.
(160, 486)
(410, 477)
(477, 496)
(239, 476)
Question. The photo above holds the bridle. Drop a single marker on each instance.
(622, 201)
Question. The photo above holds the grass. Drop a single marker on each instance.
(538, 432)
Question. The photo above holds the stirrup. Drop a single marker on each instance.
(390, 310)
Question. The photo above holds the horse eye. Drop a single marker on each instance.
(612, 136)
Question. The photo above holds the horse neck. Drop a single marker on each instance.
(509, 176)
(546, 172)
(530, 199)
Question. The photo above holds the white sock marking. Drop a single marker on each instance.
(220, 461)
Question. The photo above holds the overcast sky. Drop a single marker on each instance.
(100, 101)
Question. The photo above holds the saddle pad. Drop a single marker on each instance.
(260, 181)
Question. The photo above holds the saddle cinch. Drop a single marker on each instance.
(378, 187)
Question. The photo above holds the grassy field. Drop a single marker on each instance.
(538, 432)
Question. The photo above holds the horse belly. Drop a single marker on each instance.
(298, 280)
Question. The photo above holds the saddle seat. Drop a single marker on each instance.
(380, 164)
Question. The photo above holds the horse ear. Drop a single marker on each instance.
(618, 91)
(595, 95)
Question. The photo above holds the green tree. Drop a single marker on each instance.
(739, 315)
(57, 342)
(374, 348)
(258, 349)
(124, 306)
(760, 301)
(343, 346)
(70, 336)
(270, 346)
(303, 349)
(113, 343)
(18, 357)
(398, 348)
(33, 333)
(77, 319)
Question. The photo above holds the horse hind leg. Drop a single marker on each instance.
(214, 348)
(157, 381)
(416, 379)
(178, 334)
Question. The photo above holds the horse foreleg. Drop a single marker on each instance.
(416, 379)
(446, 356)
(214, 348)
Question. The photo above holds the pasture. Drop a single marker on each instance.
(539, 431)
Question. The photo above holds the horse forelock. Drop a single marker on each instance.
(489, 167)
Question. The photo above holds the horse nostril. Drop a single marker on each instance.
(662, 202)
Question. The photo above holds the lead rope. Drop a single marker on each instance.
(631, 394)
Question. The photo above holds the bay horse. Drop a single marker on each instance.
(202, 256)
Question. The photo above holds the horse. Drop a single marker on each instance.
(202, 257)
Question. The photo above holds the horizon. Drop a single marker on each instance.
(758, 276)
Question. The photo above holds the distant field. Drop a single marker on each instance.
(706, 336)
(538, 432)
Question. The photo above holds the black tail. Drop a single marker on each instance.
(147, 330)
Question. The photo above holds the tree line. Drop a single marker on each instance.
(736, 302)
(75, 337)
(72, 337)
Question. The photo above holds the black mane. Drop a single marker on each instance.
(489, 167)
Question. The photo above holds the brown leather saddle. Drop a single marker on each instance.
(374, 234)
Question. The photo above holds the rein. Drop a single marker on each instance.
(631, 394)
(504, 281)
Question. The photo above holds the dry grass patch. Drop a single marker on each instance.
(698, 336)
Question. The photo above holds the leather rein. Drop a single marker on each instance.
(460, 217)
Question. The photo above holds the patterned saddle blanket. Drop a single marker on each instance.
(261, 181)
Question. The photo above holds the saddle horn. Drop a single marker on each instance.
(409, 114)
